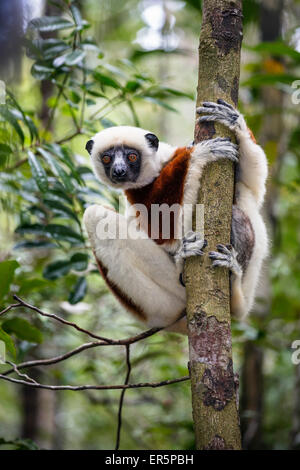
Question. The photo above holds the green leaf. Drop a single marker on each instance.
(158, 102)
(9, 344)
(29, 285)
(41, 72)
(107, 123)
(57, 169)
(79, 261)
(50, 23)
(23, 330)
(38, 172)
(278, 48)
(60, 208)
(19, 444)
(80, 23)
(8, 116)
(269, 79)
(79, 291)
(60, 232)
(106, 80)
(72, 58)
(7, 271)
(36, 229)
(5, 152)
(34, 244)
(57, 269)
(25, 118)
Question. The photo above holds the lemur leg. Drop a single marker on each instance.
(140, 269)
(253, 168)
(226, 256)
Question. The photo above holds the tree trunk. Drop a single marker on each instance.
(214, 394)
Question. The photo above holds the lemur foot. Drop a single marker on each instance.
(222, 147)
(191, 245)
(226, 256)
(223, 113)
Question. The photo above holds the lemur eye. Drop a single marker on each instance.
(132, 157)
(106, 158)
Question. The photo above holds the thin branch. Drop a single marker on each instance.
(103, 341)
(55, 360)
(59, 319)
(76, 388)
(25, 376)
(69, 137)
(83, 347)
(122, 397)
(9, 308)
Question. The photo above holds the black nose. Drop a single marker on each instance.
(119, 172)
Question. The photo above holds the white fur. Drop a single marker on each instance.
(152, 160)
(140, 268)
(143, 270)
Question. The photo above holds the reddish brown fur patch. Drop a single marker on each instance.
(167, 188)
(252, 135)
(123, 299)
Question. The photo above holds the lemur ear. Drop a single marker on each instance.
(89, 146)
(152, 140)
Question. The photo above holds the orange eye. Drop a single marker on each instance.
(132, 157)
(106, 158)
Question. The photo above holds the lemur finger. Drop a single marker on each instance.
(221, 263)
(217, 255)
(224, 103)
(225, 149)
(188, 253)
(227, 249)
(215, 108)
(213, 104)
(192, 237)
(226, 121)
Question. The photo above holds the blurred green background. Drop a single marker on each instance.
(86, 66)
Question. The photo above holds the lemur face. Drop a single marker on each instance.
(121, 155)
(121, 163)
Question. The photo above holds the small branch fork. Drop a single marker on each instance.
(24, 379)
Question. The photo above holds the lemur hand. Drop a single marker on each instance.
(191, 245)
(223, 113)
(221, 147)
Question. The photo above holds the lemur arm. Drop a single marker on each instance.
(253, 169)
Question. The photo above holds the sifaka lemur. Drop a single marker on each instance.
(144, 273)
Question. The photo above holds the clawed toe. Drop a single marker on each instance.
(220, 112)
(192, 245)
(226, 256)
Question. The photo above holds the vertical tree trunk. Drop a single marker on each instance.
(214, 395)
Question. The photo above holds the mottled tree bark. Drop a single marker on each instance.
(214, 394)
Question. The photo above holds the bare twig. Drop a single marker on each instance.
(122, 397)
(102, 342)
(59, 319)
(25, 376)
(76, 388)
(7, 309)
(56, 359)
